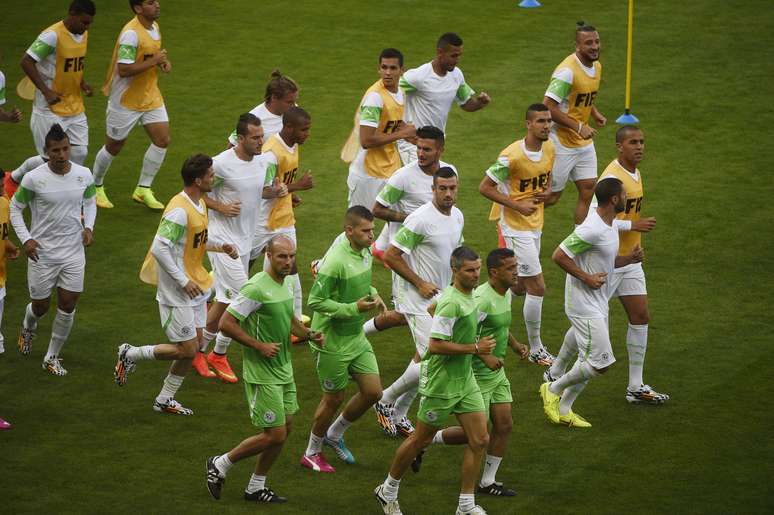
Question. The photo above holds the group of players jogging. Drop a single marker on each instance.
(238, 207)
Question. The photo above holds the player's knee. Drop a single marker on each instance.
(277, 435)
(479, 442)
(40, 307)
(114, 147)
(603, 369)
(502, 426)
(187, 350)
(162, 140)
(640, 318)
(537, 290)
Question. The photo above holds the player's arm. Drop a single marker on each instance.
(325, 289)
(476, 102)
(517, 347)
(19, 203)
(229, 325)
(599, 118)
(89, 213)
(306, 182)
(441, 334)
(563, 256)
(498, 174)
(393, 256)
(41, 48)
(385, 213)
(12, 116)
(370, 137)
(135, 68)
(171, 230)
(215, 244)
(389, 195)
(636, 256)
(305, 334)
(228, 209)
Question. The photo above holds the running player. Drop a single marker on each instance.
(518, 183)
(419, 253)
(433, 87)
(448, 386)
(261, 319)
(134, 96)
(570, 97)
(340, 297)
(588, 256)
(174, 264)
(281, 95)
(233, 205)
(58, 193)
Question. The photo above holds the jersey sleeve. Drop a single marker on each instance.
(371, 110)
(391, 192)
(581, 240)
(172, 226)
(560, 85)
(271, 168)
(443, 321)
(43, 46)
(2, 88)
(464, 92)
(247, 302)
(500, 170)
(25, 192)
(127, 47)
(409, 236)
(410, 81)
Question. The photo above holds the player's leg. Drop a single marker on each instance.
(500, 402)
(474, 423)
(230, 276)
(41, 281)
(564, 162)
(102, 162)
(568, 352)
(156, 124)
(2, 309)
(585, 176)
(18, 174)
(60, 330)
(383, 321)
(77, 130)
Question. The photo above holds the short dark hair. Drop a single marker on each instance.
(462, 254)
(391, 53)
(295, 116)
(449, 39)
(195, 167)
(356, 213)
(444, 172)
(279, 85)
(82, 7)
(497, 256)
(133, 3)
(606, 189)
(621, 133)
(55, 133)
(535, 108)
(581, 26)
(245, 120)
(430, 132)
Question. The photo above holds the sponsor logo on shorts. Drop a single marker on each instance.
(269, 417)
(431, 415)
(185, 330)
(228, 294)
(605, 356)
(524, 268)
(328, 384)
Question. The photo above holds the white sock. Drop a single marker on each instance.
(315, 444)
(256, 483)
(171, 385)
(567, 352)
(580, 371)
(223, 464)
(438, 438)
(60, 330)
(151, 163)
(29, 164)
(391, 486)
(491, 464)
(405, 382)
(370, 327)
(298, 297)
(140, 353)
(101, 165)
(467, 502)
(403, 404)
(221, 343)
(336, 431)
(636, 344)
(2, 339)
(30, 318)
(533, 312)
(207, 337)
(78, 154)
(569, 395)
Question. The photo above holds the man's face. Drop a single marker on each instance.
(632, 147)
(81, 23)
(58, 152)
(285, 102)
(621, 204)
(539, 125)
(428, 152)
(302, 131)
(587, 44)
(205, 182)
(445, 192)
(449, 57)
(282, 257)
(252, 142)
(507, 273)
(390, 71)
(361, 233)
(468, 274)
(150, 9)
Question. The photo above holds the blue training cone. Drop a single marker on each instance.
(627, 119)
(529, 3)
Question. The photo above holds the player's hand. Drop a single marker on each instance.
(268, 350)
(521, 349)
(279, 188)
(317, 337)
(491, 362)
(305, 182)
(380, 305)
(543, 195)
(31, 249)
(295, 200)
(644, 224)
(86, 89)
(192, 290)
(165, 67)
(407, 130)
(483, 99)
(525, 207)
(230, 249)
(586, 132)
(428, 290)
(11, 250)
(486, 345)
(367, 303)
(52, 97)
(233, 209)
(637, 255)
(160, 58)
(595, 281)
(87, 237)
(600, 120)
(12, 116)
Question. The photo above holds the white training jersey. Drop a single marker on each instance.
(2, 88)
(271, 123)
(406, 190)
(429, 96)
(127, 55)
(427, 238)
(43, 51)
(593, 246)
(373, 104)
(56, 202)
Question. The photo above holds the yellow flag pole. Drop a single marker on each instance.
(628, 117)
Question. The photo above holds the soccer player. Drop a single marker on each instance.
(340, 297)
(448, 386)
(570, 97)
(58, 193)
(281, 95)
(134, 96)
(174, 264)
(517, 183)
(261, 319)
(433, 87)
(419, 253)
(233, 206)
(55, 64)
(588, 256)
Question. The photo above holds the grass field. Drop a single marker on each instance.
(81, 445)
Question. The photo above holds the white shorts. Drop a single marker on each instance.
(407, 151)
(76, 127)
(230, 275)
(630, 280)
(572, 163)
(420, 326)
(42, 278)
(527, 250)
(180, 322)
(120, 121)
(363, 189)
(262, 237)
(593, 339)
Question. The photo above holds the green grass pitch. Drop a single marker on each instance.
(702, 89)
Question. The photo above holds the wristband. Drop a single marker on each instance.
(580, 126)
(476, 344)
